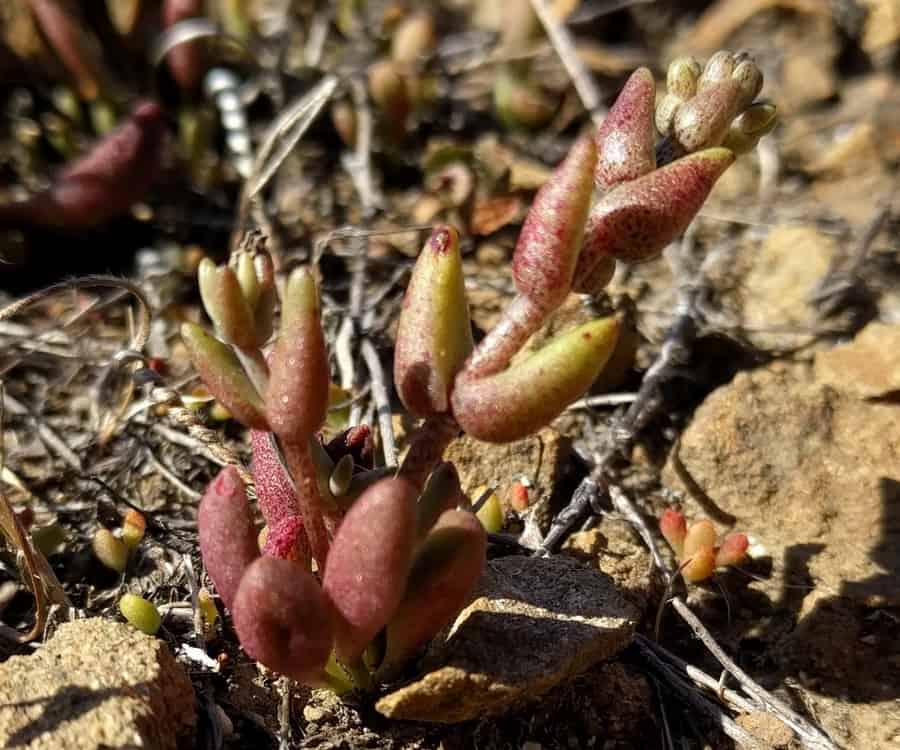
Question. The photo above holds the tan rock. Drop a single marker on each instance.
(533, 624)
(869, 366)
(95, 684)
(855, 152)
(785, 271)
(807, 78)
(803, 466)
(881, 31)
(767, 728)
(542, 460)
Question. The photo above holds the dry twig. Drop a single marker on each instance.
(564, 45)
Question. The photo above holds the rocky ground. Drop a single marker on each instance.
(782, 422)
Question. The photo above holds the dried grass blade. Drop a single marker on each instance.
(283, 135)
(44, 586)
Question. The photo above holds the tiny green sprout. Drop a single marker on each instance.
(110, 550)
(140, 613)
(209, 614)
(491, 511)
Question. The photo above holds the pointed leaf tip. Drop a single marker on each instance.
(733, 550)
(673, 527)
(626, 139)
(297, 397)
(442, 492)
(548, 245)
(225, 377)
(434, 335)
(530, 394)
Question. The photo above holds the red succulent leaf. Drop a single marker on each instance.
(116, 173)
(635, 221)
(626, 139)
(228, 540)
(283, 619)
(368, 564)
(548, 245)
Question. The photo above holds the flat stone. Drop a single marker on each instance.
(96, 684)
(869, 366)
(805, 469)
(613, 548)
(785, 272)
(533, 624)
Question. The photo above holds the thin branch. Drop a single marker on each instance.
(382, 399)
(564, 45)
(606, 399)
(46, 433)
(734, 699)
(690, 695)
(624, 505)
(811, 736)
(673, 356)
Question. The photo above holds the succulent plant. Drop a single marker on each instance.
(117, 172)
(346, 547)
(698, 548)
(358, 566)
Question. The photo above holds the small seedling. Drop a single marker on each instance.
(134, 525)
(698, 549)
(141, 613)
(359, 567)
(110, 550)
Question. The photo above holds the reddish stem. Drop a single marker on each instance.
(426, 448)
(520, 320)
(299, 461)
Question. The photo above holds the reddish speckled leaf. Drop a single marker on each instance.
(283, 619)
(274, 488)
(226, 532)
(635, 221)
(297, 398)
(548, 244)
(368, 564)
(530, 394)
(626, 139)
